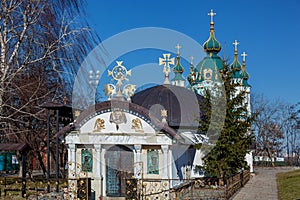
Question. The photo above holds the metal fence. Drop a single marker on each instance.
(10, 186)
(204, 188)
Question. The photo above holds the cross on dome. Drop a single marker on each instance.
(212, 14)
(178, 47)
(235, 43)
(244, 56)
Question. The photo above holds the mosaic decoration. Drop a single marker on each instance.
(86, 160)
(152, 161)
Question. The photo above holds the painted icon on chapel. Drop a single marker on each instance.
(86, 160)
(137, 125)
(118, 117)
(152, 161)
(99, 125)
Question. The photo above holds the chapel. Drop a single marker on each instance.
(148, 135)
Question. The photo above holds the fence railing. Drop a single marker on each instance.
(10, 186)
(204, 188)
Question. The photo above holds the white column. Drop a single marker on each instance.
(72, 159)
(137, 161)
(103, 168)
(170, 162)
(97, 160)
(165, 149)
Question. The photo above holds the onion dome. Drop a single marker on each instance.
(235, 65)
(244, 74)
(212, 45)
(178, 69)
(182, 105)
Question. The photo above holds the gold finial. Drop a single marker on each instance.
(244, 56)
(178, 47)
(235, 43)
(164, 115)
(166, 61)
(212, 14)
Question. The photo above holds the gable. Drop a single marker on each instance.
(117, 122)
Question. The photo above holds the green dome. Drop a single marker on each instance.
(178, 68)
(245, 76)
(178, 77)
(236, 67)
(212, 64)
(211, 61)
(212, 44)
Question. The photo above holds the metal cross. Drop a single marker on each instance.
(166, 60)
(235, 44)
(212, 14)
(178, 47)
(244, 56)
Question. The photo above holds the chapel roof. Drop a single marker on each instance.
(182, 105)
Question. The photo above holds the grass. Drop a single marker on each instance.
(289, 185)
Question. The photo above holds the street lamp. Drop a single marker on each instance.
(94, 77)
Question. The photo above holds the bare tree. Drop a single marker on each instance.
(42, 43)
(277, 128)
(267, 126)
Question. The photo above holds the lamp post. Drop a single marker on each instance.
(94, 77)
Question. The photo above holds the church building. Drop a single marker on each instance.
(148, 135)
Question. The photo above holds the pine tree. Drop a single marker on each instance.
(227, 124)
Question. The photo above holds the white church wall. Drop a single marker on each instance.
(89, 126)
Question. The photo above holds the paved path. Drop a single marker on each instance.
(262, 186)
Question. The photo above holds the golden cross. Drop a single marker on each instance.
(212, 14)
(178, 47)
(166, 60)
(244, 56)
(235, 43)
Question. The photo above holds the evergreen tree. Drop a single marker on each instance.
(227, 124)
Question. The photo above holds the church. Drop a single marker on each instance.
(147, 135)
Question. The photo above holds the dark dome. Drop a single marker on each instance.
(182, 104)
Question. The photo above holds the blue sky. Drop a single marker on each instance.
(267, 30)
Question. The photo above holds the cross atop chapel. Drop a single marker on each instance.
(212, 14)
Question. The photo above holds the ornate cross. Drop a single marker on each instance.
(244, 56)
(235, 43)
(212, 14)
(118, 73)
(178, 47)
(166, 61)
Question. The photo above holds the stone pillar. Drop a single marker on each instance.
(103, 169)
(97, 160)
(137, 162)
(165, 150)
(72, 160)
(72, 183)
(97, 182)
